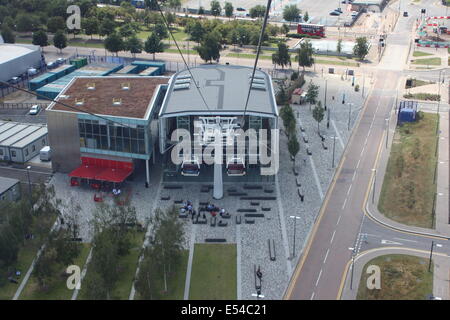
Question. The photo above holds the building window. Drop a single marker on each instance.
(26, 152)
(33, 148)
(43, 142)
(1, 152)
(13, 153)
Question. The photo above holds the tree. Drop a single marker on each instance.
(56, 23)
(257, 11)
(126, 30)
(312, 93)
(305, 54)
(361, 48)
(91, 26)
(114, 43)
(215, 8)
(318, 114)
(106, 27)
(281, 57)
(40, 39)
(306, 17)
(281, 96)
(8, 35)
(153, 44)
(45, 268)
(27, 22)
(291, 13)
(289, 121)
(293, 146)
(197, 32)
(148, 276)
(60, 40)
(228, 9)
(134, 45)
(174, 4)
(201, 10)
(209, 48)
(171, 18)
(161, 31)
(285, 28)
(339, 46)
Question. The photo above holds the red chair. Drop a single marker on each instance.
(74, 182)
(98, 198)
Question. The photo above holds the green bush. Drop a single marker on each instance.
(357, 88)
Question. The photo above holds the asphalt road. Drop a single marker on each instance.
(342, 228)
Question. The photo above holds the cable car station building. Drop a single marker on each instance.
(214, 97)
(109, 132)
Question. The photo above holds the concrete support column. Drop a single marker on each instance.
(218, 183)
(147, 173)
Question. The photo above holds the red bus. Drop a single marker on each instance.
(311, 29)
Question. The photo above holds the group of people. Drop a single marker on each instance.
(188, 208)
(116, 192)
(213, 210)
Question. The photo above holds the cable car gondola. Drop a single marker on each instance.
(190, 168)
(236, 167)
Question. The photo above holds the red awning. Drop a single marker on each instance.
(86, 171)
(113, 174)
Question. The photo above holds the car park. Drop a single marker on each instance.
(35, 109)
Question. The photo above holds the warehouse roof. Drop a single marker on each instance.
(7, 183)
(114, 96)
(224, 89)
(11, 51)
(19, 135)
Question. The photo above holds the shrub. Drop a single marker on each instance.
(300, 36)
(357, 88)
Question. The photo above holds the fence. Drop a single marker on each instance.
(22, 82)
(21, 105)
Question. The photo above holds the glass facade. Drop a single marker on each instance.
(99, 135)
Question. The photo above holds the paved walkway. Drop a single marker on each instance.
(441, 271)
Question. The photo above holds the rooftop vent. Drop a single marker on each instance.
(91, 86)
(256, 76)
(125, 86)
(258, 81)
(117, 101)
(258, 86)
(79, 101)
(184, 77)
(181, 86)
(64, 96)
(181, 81)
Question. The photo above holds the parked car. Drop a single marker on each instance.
(32, 71)
(52, 65)
(335, 13)
(14, 80)
(35, 109)
(405, 14)
(60, 60)
(240, 9)
(338, 10)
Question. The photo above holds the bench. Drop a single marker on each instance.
(252, 187)
(213, 221)
(305, 138)
(308, 152)
(265, 209)
(246, 210)
(259, 198)
(226, 216)
(215, 240)
(178, 201)
(297, 182)
(324, 146)
(249, 221)
(165, 198)
(237, 194)
(238, 219)
(254, 203)
(254, 215)
(183, 215)
(294, 171)
(268, 190)
(301, 195)
(222, 224)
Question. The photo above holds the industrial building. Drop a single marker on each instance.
(20, 142)
(16, 59)
(9, 189)
(213, 97)
(109, 132)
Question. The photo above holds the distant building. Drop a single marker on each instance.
(16, 59)
(9, 189)
(121, 136)
(21, 142)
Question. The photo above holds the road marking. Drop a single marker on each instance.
(339, 219)
(337, 134)
(318, 278)
(332, 237)
(401, 239)
(312, 296)
(357, 165)
(326, 255)
(343, 206)
(354, 175)
(390, 242)
(350, 188)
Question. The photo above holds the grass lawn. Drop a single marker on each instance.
(59, 290)
(26, 256)
(213, 272)
(175, 283)
(408, 189)
(403, 277)
(421, 54)
(428, 61)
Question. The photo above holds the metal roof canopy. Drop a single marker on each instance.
(7, 183)
(224, 88)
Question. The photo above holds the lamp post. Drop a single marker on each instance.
(29, 186)
(295, 227)
(387, 131)
(349, 113)
(374, 181)
(431, 253)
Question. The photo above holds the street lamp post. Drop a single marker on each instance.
(349, 114)
(325, 98)
(295, 227)
(374, 181)
(29, 186)
(387, 131)
(431, 253)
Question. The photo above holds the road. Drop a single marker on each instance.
(342, 228)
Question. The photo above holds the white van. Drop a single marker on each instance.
(45, 154)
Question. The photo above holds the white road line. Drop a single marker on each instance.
(343, 206)
(354, 175)
(339, 219)
(326, 255)
(404, 239)
(357, 165)
(316, 178)
(332, 237)
(318, 278)
(312, 296)
(350, 188)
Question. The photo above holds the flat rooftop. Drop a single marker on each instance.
(224, 88)
(108, 96)
(7, 183)
(19, 135)
(10, 51)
